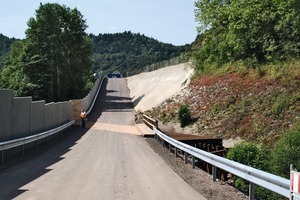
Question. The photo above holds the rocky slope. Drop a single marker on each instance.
(236, 105)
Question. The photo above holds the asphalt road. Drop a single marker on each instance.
(107, 160)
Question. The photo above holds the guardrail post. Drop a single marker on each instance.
(22, 149)
(170, 147)
(2, 157)
(185, 158)
(214, 173)
(193, 162)
(175, 152)
(251, 191)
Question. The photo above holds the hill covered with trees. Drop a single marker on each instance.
(130, 52)
(126, 52)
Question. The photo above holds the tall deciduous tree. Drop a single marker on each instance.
(260, 30)
(58, 53)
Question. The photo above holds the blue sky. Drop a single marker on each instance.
(169, 21)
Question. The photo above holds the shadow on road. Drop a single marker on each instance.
(34, 164)
(14, 177)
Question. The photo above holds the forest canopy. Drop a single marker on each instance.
(54, 61)
(130, 52)
(258, 31)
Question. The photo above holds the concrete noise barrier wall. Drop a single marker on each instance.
(21, 117)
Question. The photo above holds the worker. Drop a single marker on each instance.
(83, 117)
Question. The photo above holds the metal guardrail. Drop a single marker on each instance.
(95, 97)
(25, 140)
(33, 138)
(267, 180)
(149, 121)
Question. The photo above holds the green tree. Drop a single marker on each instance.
(58, 53)
(258, 30)
(286, 152)
(12, 75)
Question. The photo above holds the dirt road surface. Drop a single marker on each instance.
(107, 160)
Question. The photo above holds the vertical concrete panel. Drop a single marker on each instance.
(83, 103)
(37, 117)
(49, 116)
(6, 99)
(64, 109)
(58, 114)
(21, 114)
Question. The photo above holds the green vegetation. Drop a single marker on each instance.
(184, 115)
(256, 156)
(251, 32)
(130, 53)
(54, 61)
(286, 152)
(276, 160)
(5, 44)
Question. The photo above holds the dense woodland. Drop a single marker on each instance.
(130, 52)
(251, 32)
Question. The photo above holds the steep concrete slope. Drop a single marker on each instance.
(149, 89)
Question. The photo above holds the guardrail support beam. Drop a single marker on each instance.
(23, 150)
(214, 173)
(175, 152)
(185, 158)
(251, 191)
(193, 162)
(2, 157)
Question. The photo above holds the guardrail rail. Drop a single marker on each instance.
(261, 178)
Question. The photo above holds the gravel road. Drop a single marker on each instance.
(107, 160)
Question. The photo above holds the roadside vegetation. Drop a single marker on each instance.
(246, 83)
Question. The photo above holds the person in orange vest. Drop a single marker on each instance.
(83, 117)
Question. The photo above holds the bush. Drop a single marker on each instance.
(184, 115)
(286, 152)
(252, 155)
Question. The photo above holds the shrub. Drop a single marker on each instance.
(184, 115)
(286, 152)
(252, 155)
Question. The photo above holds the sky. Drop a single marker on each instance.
(168, 21)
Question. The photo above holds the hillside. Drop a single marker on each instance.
(130, 52)
(234, 105)
(126, 52)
